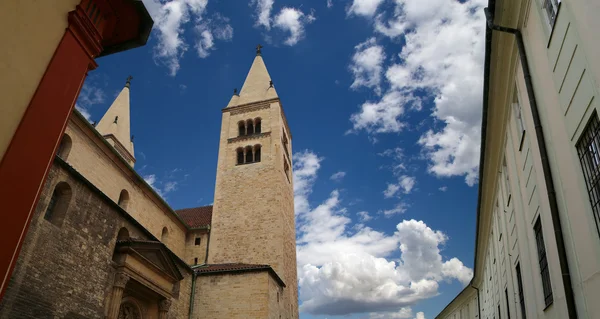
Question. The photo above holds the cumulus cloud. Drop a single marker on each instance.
(169, 21)
(152, 181)
(442, 61)
(338, 176)
(391, 190)
(364, 216)
(263, 12)
(404, 313)
(364, 7)
(367, 65)
(400, 208)
(345, 268)
(89, 96)
(216, 28)
(293, 20)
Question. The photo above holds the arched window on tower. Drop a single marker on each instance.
(257, 149)
(124, 199)
(240, 156)
(123, 234)
(165, 235)
(257, 125)
(241, 128)
(64, 148)
(250, 127)
(59, 203)
(249, 155)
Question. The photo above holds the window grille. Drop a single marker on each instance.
(541, 247)
(551, 7)
(521, 295)
(588, 149)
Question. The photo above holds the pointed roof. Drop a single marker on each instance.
(115, 125)
(258, 85)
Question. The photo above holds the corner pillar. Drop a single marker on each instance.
(163, 308)
(121, 280)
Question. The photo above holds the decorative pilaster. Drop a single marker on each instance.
(163, 308)
(121, 280)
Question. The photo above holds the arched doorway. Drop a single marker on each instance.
(129, 310)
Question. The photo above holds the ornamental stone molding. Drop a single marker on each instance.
(164, 305)
(121, 280)
(248, 137)
(245, 108)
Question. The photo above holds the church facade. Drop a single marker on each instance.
(103, 244)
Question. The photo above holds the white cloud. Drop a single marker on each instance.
(306, 164)
(152, 181)
(170, 186)
(443, 188)
(367, 65)
(420, 315)
(443, 59)
(364, 7)
(403, 313)
(400, 208)
(216, 28)
(338, 176)
(329, 3)
(364, 216)
(391, 190)
(89, 96)
(407, 183)
(169, 21)
(292, 20)
(263, 12)
(344, 269)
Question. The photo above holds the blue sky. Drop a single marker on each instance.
(383, 99)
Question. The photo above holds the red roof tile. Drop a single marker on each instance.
(197, 216)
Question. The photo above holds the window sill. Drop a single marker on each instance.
(247, 137)
(238, 164)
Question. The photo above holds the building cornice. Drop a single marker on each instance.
(120, 147)
(248, 137)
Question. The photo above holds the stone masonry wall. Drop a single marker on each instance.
(66, 271)
(232, 296)
(99, 165)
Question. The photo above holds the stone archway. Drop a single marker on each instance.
(129, 310)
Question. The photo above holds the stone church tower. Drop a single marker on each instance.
(253, 215)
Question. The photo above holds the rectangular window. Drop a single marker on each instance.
(541, 247)
(588, 149)
(521, 295)
(551, 7)
(499, 314)
(197, 241)
(506, 182)
(196, 261)
(507, 304)
(517, 110)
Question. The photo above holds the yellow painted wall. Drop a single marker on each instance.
(31, 33)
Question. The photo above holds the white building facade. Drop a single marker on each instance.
(538, 221)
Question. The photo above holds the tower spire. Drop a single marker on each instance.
(115, 124)
(258, 85)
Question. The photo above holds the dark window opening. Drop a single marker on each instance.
(59, 203)
(521, 295)
(257, 126)
(197, 241)
(249, 158)
(123, 199)
(241, 129)
(64, 148)
(196, 261)
(240, 156)
(507, 304)
(588, 149)
(541, 248)
(250, 127)
(551, 7)
(257, 153)
(165, 234)
(499, 314)
(123, 234)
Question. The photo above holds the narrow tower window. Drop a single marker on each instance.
(124, 199)
(59, 203)
(521, 295)
(541, 248)
(240, 156)
(64, 148)
(197, 241)
(165, 234)
(249, 157)
(257, 125)
(196, 261)
(123, 234)
(241, 128)
(257, 153)
(250, 127)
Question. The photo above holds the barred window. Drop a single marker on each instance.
(521, 295)
(541, 248)
(588, 149)
(551, 7)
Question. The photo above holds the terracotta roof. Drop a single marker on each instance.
(197, 216)
(236, 268)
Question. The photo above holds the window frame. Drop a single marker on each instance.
(521, 291)
(543, 263)
(588, 151)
